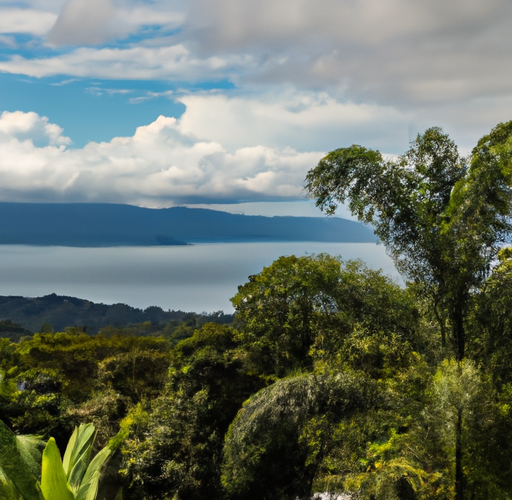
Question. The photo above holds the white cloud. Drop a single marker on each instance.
(305, 121)
(30, 127)
(26, 21)
(157, 166)
(64, 82)
(91, 22)
(172, 63)
(102, 91)
(151, 95)
(220, 150)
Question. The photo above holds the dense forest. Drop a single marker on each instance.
(21, 316)
(331, 377)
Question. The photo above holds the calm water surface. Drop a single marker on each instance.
(197, 278)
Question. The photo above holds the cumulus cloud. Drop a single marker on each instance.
(158, 166)
(31, 128)
(221, 150)
(305, 121)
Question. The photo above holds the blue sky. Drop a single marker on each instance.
(158, 103)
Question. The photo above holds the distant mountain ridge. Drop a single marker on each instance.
(102, 224)
(60, 311)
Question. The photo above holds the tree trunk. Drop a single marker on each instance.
(459, 473)
(459, 335)
(442, 323)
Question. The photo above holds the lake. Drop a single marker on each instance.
(196, 278)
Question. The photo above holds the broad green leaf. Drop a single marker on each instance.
(54, 484)
(7, 489)
(77, 455)
(30, 448)
(89, 486)
(15, 468)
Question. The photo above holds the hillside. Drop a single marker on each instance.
(95, 225)
(61, 311)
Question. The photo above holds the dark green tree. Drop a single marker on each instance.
(491, 322)
(277, 443)
(175, 443)
(442, 217)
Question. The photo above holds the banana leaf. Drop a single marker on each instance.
(89, 487)
(77, 455)
(54, 483)
(16, 468)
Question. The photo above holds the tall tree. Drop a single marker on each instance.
(442, 217)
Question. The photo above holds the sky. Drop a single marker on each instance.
(229, 103)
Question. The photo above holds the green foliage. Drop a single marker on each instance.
(76, 477)
(54, 484)
(175, 443)
(18, 468)
(491, 325)
(66, 378)
(281, 436)
(302, 309)
(441, 219)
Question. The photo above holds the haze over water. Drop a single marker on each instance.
(191, 278)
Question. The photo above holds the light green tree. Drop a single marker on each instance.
(302, 309)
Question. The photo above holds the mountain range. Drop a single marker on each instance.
(102, 225)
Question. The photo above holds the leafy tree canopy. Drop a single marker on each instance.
(442, 217)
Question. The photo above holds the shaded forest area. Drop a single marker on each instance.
(331, 378)
(21, 316)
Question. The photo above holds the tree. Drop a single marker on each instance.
(491, 321)
(175, 442)
(278, 440)
(442, 217)
(304, 308)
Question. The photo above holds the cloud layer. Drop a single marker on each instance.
(397, 52)
(294, 79)
(160, 165)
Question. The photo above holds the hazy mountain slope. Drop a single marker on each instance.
(92, 224)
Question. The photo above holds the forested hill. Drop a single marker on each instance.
(60, 312)
(93, 224)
